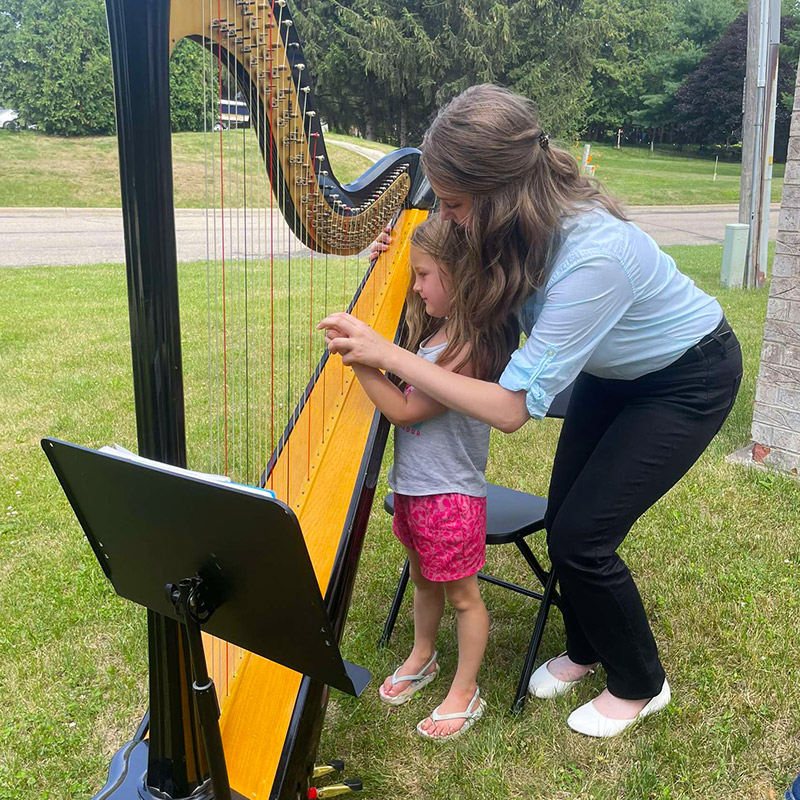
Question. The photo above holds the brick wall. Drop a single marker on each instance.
(776, 417)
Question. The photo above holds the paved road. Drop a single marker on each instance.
(68, 236)
(368, 152)
(692, 224)
(59, 236)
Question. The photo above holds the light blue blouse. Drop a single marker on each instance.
(613, 305)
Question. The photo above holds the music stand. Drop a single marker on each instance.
(209, 555)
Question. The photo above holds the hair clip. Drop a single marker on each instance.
(544, 140)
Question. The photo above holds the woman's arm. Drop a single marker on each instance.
(579, 311)
(401, 409)
(479, 399)
(488, 402)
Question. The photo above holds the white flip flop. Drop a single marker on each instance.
(417, 682)
(470, 717)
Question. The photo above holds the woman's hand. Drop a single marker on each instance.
(355, 341)
(381, 244)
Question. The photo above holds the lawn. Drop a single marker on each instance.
(667, 178)
(38, 170)
(717, 561)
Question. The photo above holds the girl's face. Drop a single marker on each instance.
(430, 284)
(453, 205)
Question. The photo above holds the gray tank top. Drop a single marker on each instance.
(442, 455)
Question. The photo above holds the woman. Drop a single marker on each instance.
(656, 370)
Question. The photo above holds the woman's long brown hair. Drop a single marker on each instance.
(488, 348)
(488, 143)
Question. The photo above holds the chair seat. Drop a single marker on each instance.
(509, 513)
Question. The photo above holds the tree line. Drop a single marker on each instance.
(669, 70)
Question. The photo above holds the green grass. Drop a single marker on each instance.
(668, 178)
(716, 560)
(39, 170)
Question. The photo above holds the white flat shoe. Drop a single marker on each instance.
(416, 682)
(545, 685)
(590, 722)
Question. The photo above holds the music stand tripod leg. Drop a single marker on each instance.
(188, 601)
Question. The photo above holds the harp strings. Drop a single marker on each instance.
(265, 289)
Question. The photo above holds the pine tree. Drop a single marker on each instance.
(708, 105)
(55, 65)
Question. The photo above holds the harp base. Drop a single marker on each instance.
(127, 773)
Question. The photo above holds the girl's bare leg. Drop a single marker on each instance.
(428, 610)
(473, 633)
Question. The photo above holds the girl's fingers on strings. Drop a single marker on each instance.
(381, 244)
(357, 339)
(334, 333)
(340, 345)
(339, 321)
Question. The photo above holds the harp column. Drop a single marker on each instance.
(139, 31)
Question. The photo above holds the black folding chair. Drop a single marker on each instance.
(512, 516)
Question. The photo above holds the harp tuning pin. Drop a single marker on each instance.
(299, 67)
(306, 89)
(320, 158)
(280, 3)
(288, 23)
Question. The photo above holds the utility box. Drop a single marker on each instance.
(734, 255)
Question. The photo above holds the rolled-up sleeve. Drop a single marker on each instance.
(580, 307)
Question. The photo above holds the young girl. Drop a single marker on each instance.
(440, 488)
(656, 370)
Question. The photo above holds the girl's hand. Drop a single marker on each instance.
(355, 341)
(381, 244)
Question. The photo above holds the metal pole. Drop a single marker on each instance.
(769, 142)
(754, 220)
(749, 106)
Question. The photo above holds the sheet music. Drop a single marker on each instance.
(208, 477)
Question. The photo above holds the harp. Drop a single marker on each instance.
(318, 451)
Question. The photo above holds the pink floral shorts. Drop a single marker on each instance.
(447, 530)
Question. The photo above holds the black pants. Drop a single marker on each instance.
(623, 445)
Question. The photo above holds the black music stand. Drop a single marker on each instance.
(222, 557)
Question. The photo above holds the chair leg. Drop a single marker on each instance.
(536, 640)
(395, 609)
(538, 570)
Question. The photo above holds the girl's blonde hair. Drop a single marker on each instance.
(488, 143)
(490, 348)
